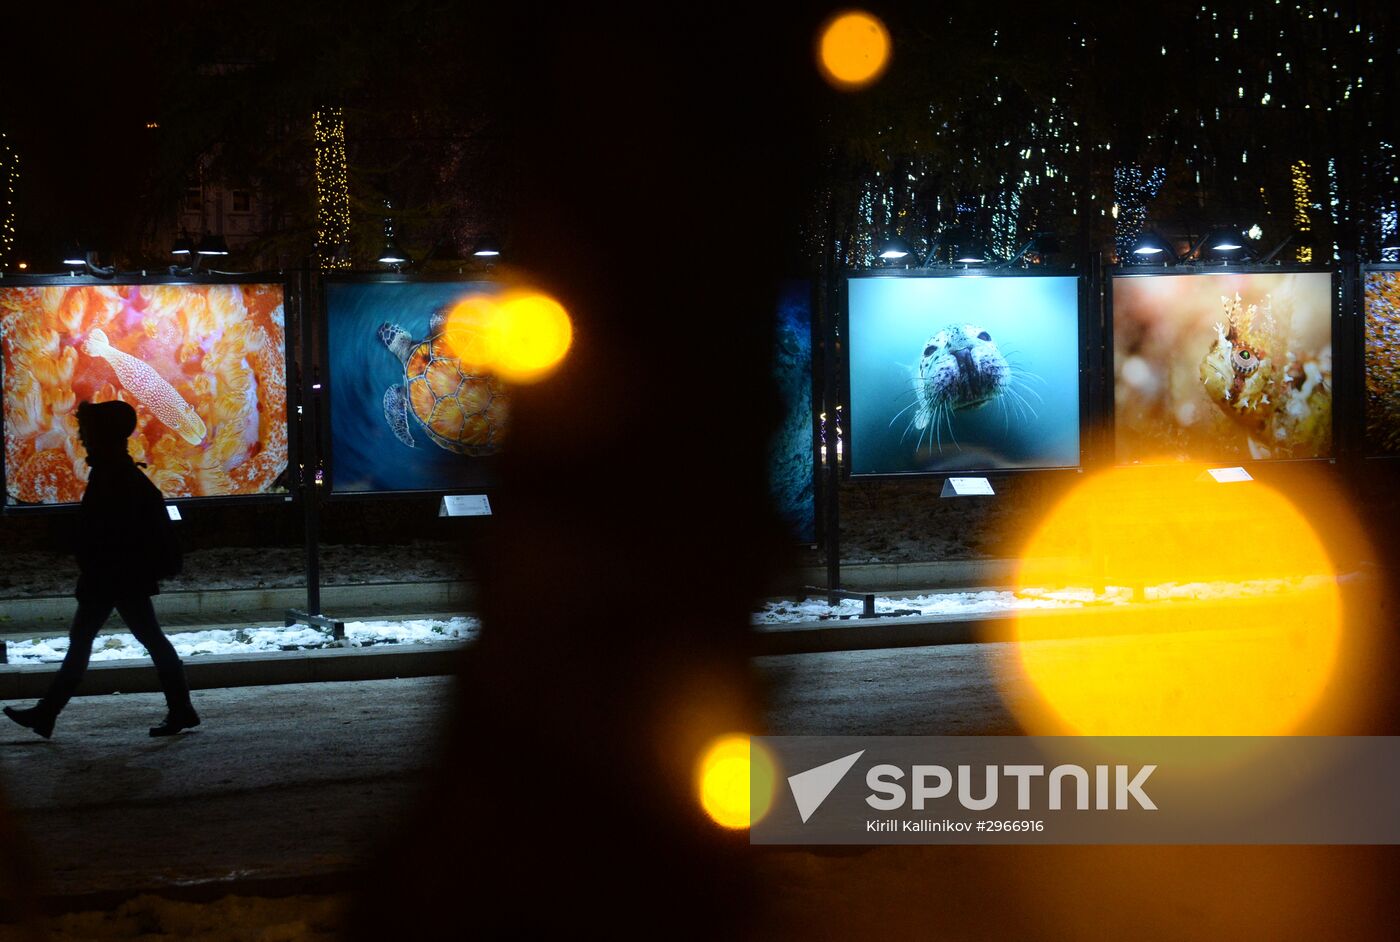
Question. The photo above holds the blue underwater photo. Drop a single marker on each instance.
(790, 451)
(963, 373)
(367, 454)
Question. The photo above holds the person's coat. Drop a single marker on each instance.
(122, 530)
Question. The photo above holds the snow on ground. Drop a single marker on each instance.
(981, 603)
(951, 603)
(121, 646)
(358, 634)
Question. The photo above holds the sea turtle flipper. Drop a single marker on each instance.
(439, 322)
(398, 340)
(396, 413)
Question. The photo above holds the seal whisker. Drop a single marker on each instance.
(1017, 397)
(896, 416)
(1017, 401)
(1018, 384)
(948, 416)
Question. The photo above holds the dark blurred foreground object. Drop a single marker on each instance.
(18, 881)
(565, 802)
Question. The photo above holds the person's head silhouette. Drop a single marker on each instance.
(104, 427)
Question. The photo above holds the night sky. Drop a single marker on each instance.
(78, 96)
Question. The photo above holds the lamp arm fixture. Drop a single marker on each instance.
(1274, 252)
(97, 270)
(1020, 254)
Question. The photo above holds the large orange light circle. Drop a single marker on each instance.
(532, 334)
(853, 50)
(1217, 610)
(520, 336)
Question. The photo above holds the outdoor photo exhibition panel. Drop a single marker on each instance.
(955, 372)
(1225, 366)
(791, 449)
(203, 362)
(407, 414)
(1381, 326)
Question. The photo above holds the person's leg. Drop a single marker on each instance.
(140, 617)
(87, 622)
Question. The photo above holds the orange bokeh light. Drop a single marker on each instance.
(853, 50)
(520, 336)
(1215, 610)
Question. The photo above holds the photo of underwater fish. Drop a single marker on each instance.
(1225, 366)
(957, 373)
(405, 414)
(1383, 362)
(203, 365)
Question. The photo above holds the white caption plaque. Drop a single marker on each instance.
(465, 505)
(967, 487)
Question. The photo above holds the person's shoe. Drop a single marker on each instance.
(176, 720)
(35, 718)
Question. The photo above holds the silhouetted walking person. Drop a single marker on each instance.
(124, 546)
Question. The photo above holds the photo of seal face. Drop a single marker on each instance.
(961, 369)
(952, 374)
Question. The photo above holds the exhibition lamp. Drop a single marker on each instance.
(964, 248)
(77, 256)
(970, 250)
(487, 247)
(896, 250)
(1151, 249)
(392, 254)
(210, 246)
(1221, 244)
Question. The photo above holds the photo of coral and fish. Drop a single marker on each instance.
(1383, 362)
(963, 373)
(1223, 366)
(203, 365)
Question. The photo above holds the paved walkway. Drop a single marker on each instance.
(287, 784)
(279, 781)
(301, 778)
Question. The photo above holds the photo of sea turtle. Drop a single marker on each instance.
(461, 410)
(405, 413)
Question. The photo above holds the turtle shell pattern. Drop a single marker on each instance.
(463, 412)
